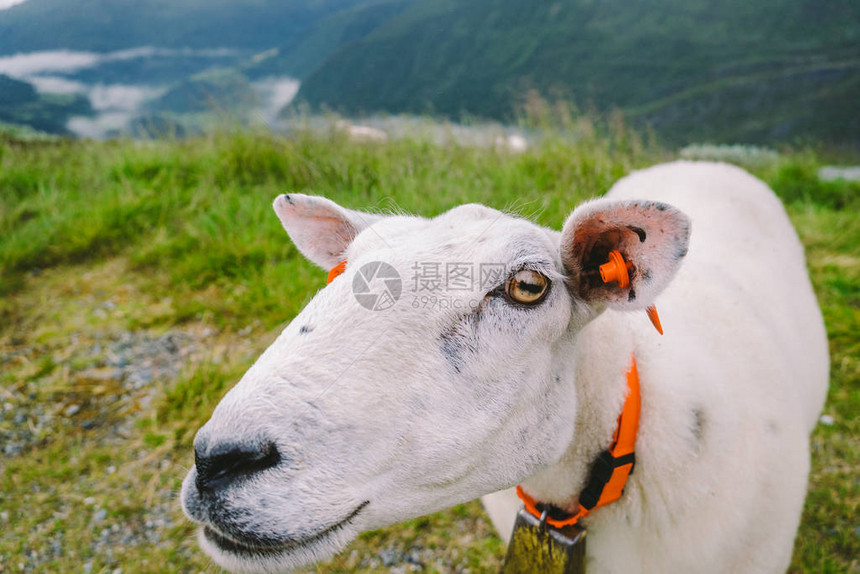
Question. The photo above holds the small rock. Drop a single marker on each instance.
(415, 558)
(4, 517)
(826, 420)
(90, 500)
(140, 378)
(72, 410)
(834, 173)
(88, 567)
(389, 557)
(111, 469)
(100, 515)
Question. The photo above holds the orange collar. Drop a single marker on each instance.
(611, 469)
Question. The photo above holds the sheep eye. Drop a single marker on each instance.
(527, 286)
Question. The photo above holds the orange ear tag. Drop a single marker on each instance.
(336, 270)
(655, 319)
(617, 269)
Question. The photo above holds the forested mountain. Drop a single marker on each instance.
(757, 70)
(106, 25)
(728, 70)
(301, 54)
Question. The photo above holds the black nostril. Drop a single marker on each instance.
(229, 462)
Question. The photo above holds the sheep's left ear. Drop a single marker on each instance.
(651, 236)
(320, 228)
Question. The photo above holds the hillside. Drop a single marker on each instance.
(303, 53)
(769, 71)
(14, 92)
(735, 70)
(21, 104)
(106, 25)
(146, 66)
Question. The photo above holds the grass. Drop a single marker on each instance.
(98, 240)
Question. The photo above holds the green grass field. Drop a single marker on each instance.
(138, 280)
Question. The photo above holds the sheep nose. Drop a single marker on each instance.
(225, 463)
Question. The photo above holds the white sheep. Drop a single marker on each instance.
(364, 412)
(513, 143)
(361, 133)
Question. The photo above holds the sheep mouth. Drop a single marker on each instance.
(256, 548)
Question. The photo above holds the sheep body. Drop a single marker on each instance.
(730, 393)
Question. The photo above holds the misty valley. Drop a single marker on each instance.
(143, 92)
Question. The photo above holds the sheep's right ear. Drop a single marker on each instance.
(320, 228)
(650, 236)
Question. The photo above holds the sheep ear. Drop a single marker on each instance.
(320, 228)
(651, 236)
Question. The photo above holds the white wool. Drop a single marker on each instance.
(361, 133)
(381, 416)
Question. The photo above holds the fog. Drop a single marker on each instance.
(9, 3)
(101, 126)
(24, 66)
(116, 105)
(120, 97)
(274, 94)
(56, 84)
(70, 61)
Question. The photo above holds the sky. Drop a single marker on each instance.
(9, 3)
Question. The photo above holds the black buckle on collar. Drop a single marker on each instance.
(551, 511)
(601, 473)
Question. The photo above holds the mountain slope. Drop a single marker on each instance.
(681, 65)
(305, 52)
(106, 25)
(21, 104)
